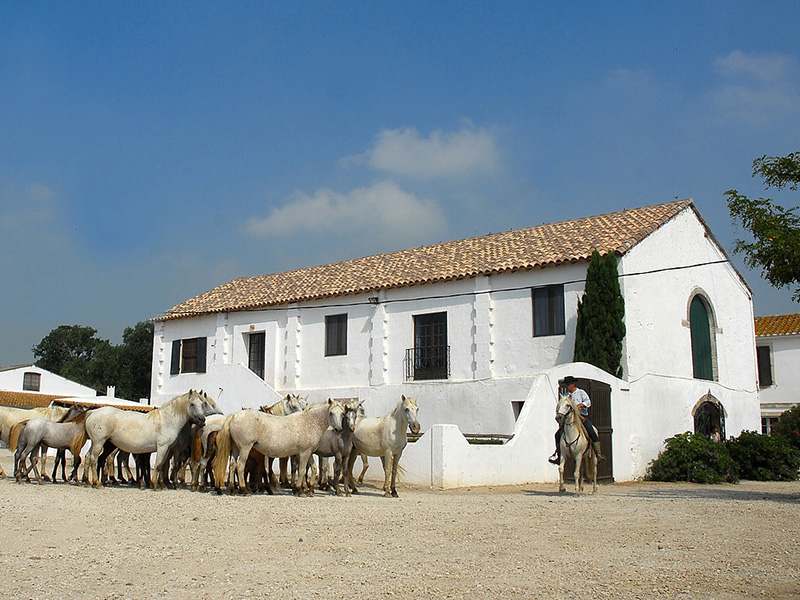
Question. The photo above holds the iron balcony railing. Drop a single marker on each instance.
(427, 362)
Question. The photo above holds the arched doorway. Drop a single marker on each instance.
(709, 413)
(600, 414)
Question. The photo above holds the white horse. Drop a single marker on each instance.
(295, 434)
(574, 442)
(338, 446)
(10, 416)
(39, 434)
(137, 432)
(290, 404)
(384, 437)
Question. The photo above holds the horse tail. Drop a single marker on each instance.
(78, 441)
(14, 433)
(220, 462)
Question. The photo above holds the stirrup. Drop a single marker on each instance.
(555, 458)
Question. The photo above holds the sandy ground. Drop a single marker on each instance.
(640, 540)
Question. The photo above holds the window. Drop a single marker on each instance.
(31, 382)
(255, 358)
(548, 310)
(188, 356)
(335, 335)
(700, 327)
(764, 366)
(430, 356)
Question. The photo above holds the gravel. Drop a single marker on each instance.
(636, 540)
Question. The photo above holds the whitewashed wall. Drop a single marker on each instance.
(50, 383)
(785, 389)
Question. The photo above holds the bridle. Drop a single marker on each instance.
(562, 419)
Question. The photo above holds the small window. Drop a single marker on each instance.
(764, 366)
(188, 356)
(548, 310)
(255, 360)
(31, 382)
(335, 335)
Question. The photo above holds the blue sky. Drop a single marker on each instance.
(152, 151)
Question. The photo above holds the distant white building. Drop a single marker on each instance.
(29, 379)
(480, 330)
(778, 347)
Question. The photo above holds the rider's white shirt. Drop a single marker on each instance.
(581, 397)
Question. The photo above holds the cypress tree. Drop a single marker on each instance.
(600, 325)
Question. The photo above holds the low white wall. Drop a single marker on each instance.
(644, 414)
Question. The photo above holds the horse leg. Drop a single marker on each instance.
(283, 480)
(44, 463)
(34, 456)
(562, 463)
(337, 473)
(386, 459)
(395, 465)
(241, 468)
(349, 483)
(578, 473)
(364, 467)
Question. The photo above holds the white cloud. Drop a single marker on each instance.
(757, 88)
(404, 152)
(380, 211)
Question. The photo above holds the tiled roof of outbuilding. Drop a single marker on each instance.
(778, 325)
(519, 249)
(26, 399)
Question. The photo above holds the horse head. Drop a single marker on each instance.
(196, 406)
(295, 403)
(411, 411)
(351, 413)
(336, 413)
(209, 406)
(565, 409)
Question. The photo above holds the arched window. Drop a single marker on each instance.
(700, 326)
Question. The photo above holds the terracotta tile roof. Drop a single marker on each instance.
(26, 399)
(535, 247)
(778, 325)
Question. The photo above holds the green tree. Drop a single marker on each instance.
(75, 352)
(601, 326)
(136, 361)
(775, 230)
(67, 349)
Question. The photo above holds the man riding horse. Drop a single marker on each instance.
(583, 402)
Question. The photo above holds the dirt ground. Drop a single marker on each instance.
(639, 540)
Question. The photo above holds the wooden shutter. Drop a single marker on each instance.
(201, 354)
(175, 365)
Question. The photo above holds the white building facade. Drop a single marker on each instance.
(778, 348)
(33, 379)
(480, 331)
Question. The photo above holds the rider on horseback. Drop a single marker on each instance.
(583, 402)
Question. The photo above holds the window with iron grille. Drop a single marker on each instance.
(32, 382)
(256, 353)
(335, 335)
(188, 356)
(430, 357)
(548, 310)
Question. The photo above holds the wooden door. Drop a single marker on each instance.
(600, 414)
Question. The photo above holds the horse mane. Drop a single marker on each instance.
(79, 418)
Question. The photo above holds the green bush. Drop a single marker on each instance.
(764, 457)
(693, 458)
(788, 426)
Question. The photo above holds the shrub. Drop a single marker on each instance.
(693, 458)
(788, 426)
(764, 457)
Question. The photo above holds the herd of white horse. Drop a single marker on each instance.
(236, 450)
(233, 451)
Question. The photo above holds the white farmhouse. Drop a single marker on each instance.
(778, 347)
(480, 331)
(28, 386)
